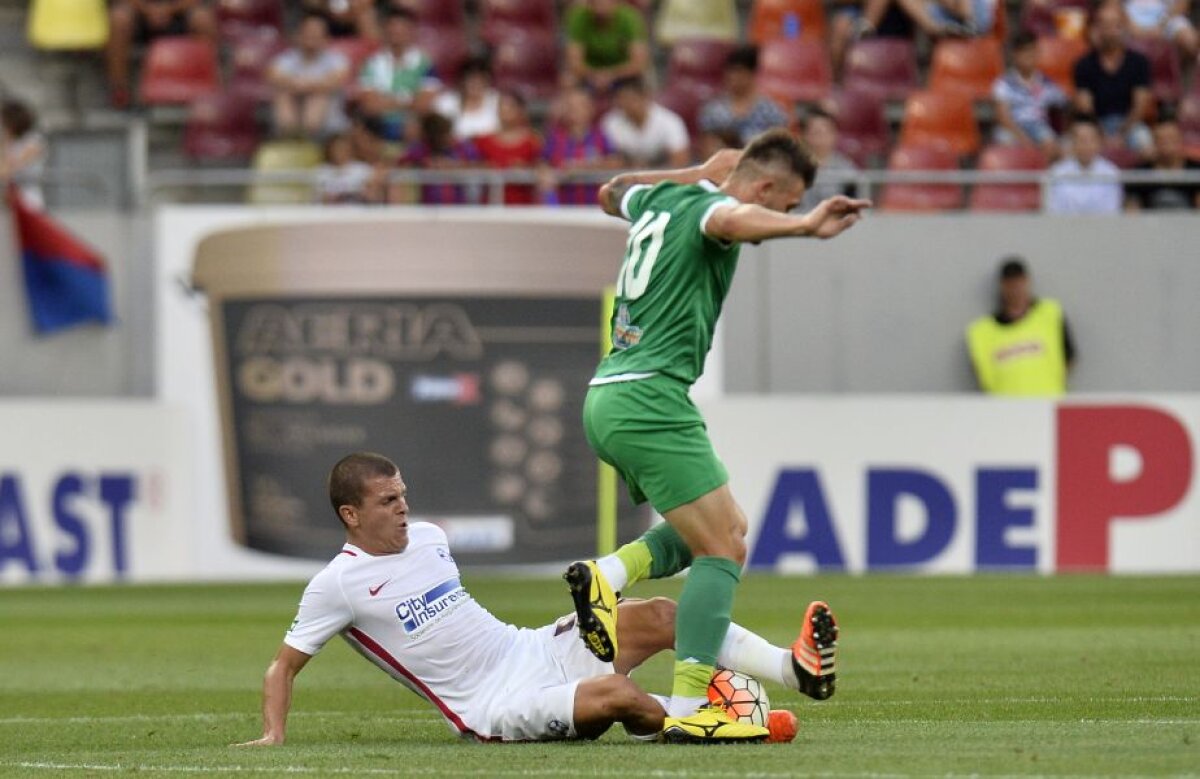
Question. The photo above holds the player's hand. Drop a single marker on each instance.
(835, 215)
(265, 741)
(718, 167)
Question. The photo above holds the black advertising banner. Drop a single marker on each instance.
(477, 399)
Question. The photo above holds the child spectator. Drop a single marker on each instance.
(515, 145)
(1023, 98)
(344, 179)
(835, 171)
(1084, 182)
(438, 150)
(474, 108)
(577, 144)
(308, 80)
(22, 152)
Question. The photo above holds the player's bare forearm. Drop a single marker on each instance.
(277, 695)
(749, 223)
(715, 169)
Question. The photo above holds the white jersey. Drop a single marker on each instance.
(408, 614)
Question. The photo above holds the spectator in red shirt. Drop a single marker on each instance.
(577, 144)
(515, 145)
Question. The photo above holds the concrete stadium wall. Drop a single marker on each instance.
(884, 308)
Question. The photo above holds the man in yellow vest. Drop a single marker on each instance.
(1025, 347)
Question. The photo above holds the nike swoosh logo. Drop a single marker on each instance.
(375, 590)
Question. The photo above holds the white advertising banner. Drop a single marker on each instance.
(960, 484)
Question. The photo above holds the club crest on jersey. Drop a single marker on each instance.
(624, 334)
(416, 613)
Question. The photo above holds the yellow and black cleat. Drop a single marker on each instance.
(595, 609)
(711, 724)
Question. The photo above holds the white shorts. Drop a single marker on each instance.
(533, 695)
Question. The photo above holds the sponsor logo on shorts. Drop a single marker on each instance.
(558, 728)
(417, 613)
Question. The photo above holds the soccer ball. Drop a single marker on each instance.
(742, 696)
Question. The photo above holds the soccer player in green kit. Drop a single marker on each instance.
(680, 257)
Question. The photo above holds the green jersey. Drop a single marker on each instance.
(672, 284)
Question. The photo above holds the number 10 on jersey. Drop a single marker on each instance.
(640, 257)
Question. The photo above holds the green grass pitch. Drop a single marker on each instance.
(1080, 676)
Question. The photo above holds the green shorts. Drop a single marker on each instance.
(652, 433)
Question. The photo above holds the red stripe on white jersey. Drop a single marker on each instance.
(372, 646)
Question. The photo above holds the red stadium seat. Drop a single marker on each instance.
(527, 63)
(966, 65)
(795, 71)
(686, 98)
(222, 128)
(503, 19)
(1165, 72)
(1121, 156)
(179, 69)
(698, 59)
(356, 51)
(250, 58)
(236, 18)
(943, 120)
(1057, 57)
(437, 13)
(862, 126)
(769, 19)
(1008, 197)
(883, 66)
(448, 47)
(921, 197)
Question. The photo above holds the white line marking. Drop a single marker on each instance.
(204, 716)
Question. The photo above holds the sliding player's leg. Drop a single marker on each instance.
(604, 700)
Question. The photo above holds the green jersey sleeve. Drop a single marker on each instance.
(634, 201)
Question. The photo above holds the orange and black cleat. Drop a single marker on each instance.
(813, 654)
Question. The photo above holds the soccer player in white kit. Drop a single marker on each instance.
(394, 594)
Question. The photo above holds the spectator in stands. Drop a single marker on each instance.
(1023, 99)
(140, 21)
(576, 144)
(896, 19)
(22, 152)
(606, 41)
(439, 150)
(344, 179)
(346, 18)
(835, 171)
(1112, 82)
(741, 108)
(1084, 182)
(1169, 158)
(1025, 348)
(474, 107)
(515, 145)
(646, 133)
(1167, 19)
(308, 80)
(398, 80)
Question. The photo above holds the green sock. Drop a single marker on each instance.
(701, 622)
(660, 552)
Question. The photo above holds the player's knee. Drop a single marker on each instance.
(621, 697)
(663, 610)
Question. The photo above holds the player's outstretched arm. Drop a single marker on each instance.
(277, 695)
(749, 223)
(715, 169)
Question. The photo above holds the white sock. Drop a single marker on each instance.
(752, 654)
(613, 570)
(683, 706)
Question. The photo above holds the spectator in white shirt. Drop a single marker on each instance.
(308, 80)
(1084, 182)
(647, 133)
(474, 107)
(22, 152)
